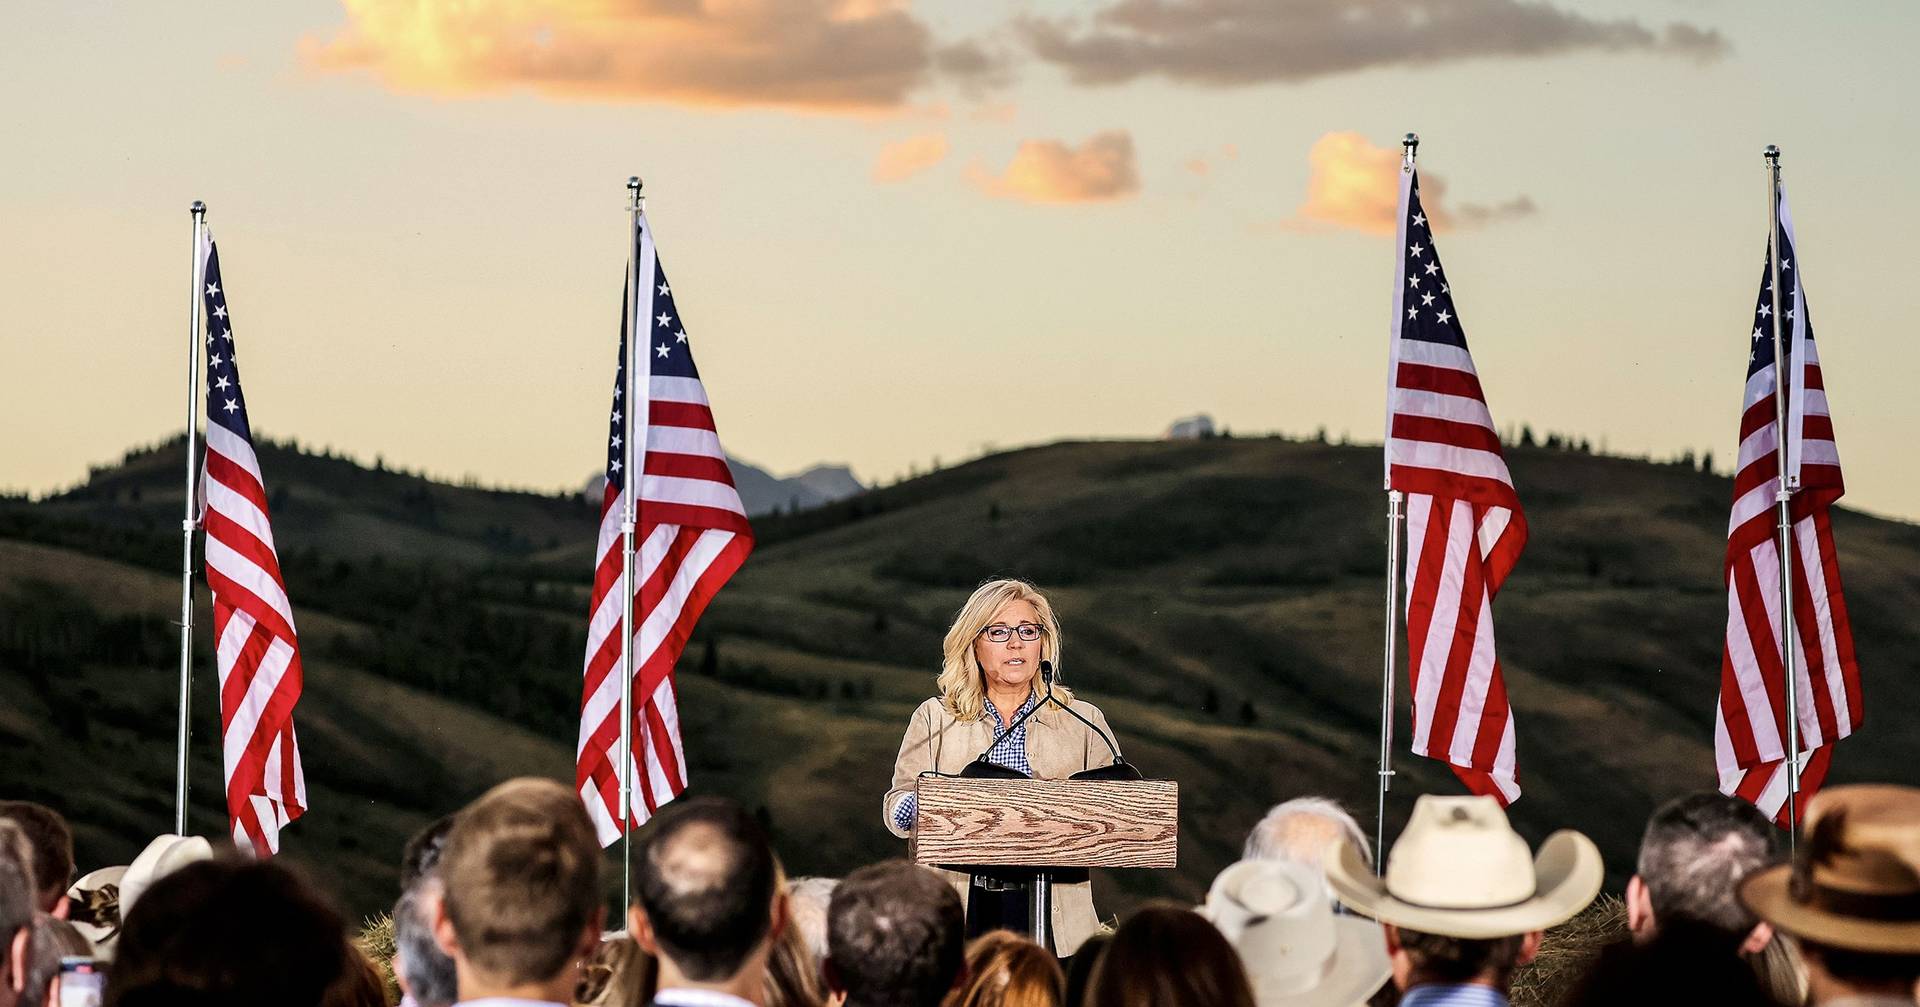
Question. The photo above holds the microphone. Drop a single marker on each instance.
(1120, 769)
(983, 768)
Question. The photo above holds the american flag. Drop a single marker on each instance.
(1465, 528)
(256, 647)
(1750, 723)
(692, 534)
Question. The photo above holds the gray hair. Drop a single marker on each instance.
(1299, 831)
(428, 972)
(807, 901)
(1696, 851)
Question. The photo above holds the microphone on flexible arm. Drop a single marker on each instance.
(983, 768)
(1120, 769)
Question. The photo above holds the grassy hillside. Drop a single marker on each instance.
(1221, 601)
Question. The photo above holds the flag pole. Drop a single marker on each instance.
(629, 518)
(189, 522)
(1783, 494)
(1409, 147)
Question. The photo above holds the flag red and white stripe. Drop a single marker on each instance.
(692, 535)
(1750, 722)
(1465, 528)
(257, 649)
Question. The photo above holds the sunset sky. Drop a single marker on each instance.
(902, 231)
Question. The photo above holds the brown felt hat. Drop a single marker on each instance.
(1855, 883)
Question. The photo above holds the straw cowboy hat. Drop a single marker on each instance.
(1459, 870)
(93, 907)
(101, 899)
(1855, 884)
(1297, 953)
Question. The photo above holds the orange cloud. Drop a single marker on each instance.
(1049, 171)
(909, 157)
(832, 55)
(1355, 186)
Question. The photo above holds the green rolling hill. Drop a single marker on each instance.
(1221, 599)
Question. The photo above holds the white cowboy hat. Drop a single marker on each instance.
(1459, 870)
(1297, 953)
(162, 857)
(93, 907)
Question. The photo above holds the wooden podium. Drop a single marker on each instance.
(1045, 824)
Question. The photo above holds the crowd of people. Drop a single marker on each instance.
(502, 904)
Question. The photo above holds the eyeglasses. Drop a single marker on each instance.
(1026, 631)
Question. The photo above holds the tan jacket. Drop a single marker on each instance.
(1057, 747)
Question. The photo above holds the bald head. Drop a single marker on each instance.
(1299, 831)
(706, 883)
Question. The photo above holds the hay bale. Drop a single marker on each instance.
(1566, 952)
(375, 940)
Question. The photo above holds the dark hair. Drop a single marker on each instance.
(422, 853)
(521, 878)
(225, 933)
(427, 969)
(17, 890)
(1080, 967)
(359, 985)
(52, 844)
(1695, 852)
(1458, 959)
(1166, 954)
(1862, 966)
(896, 935)
(52, 940)
(1673, 968)
(705, 879)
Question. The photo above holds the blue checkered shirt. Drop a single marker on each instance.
(1453, 995)
(1009, 750)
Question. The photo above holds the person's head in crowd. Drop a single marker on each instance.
(1005, 969)
(18, 893)
(793, 977)
(53, 939)
(1302, 830)
(229, 932)
(1463, 902)
(1696, 851)
(421, 856)
(425, 973)
(1851, 897)
(1164, 954)
(708, 902)
(807, 901)
(1080, 967)
(52, 844)
(521, 904)
(896, 937)
(619, 974)
(359, 984)
(1297, 953)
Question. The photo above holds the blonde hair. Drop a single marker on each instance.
(963, 687)
(1005, 969)
(619, 974)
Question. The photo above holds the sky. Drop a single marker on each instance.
(901, 232)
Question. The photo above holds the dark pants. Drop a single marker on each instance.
(1000, 900)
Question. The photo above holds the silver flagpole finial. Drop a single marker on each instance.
(635, 199)
(1409, 147)
(1773, 153)
(197, 208)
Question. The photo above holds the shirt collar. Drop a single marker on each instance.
(1454, 995)
(698, 998)
(993, 712)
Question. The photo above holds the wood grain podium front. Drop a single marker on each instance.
(1045, 824)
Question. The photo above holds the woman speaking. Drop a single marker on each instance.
(990, 686)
